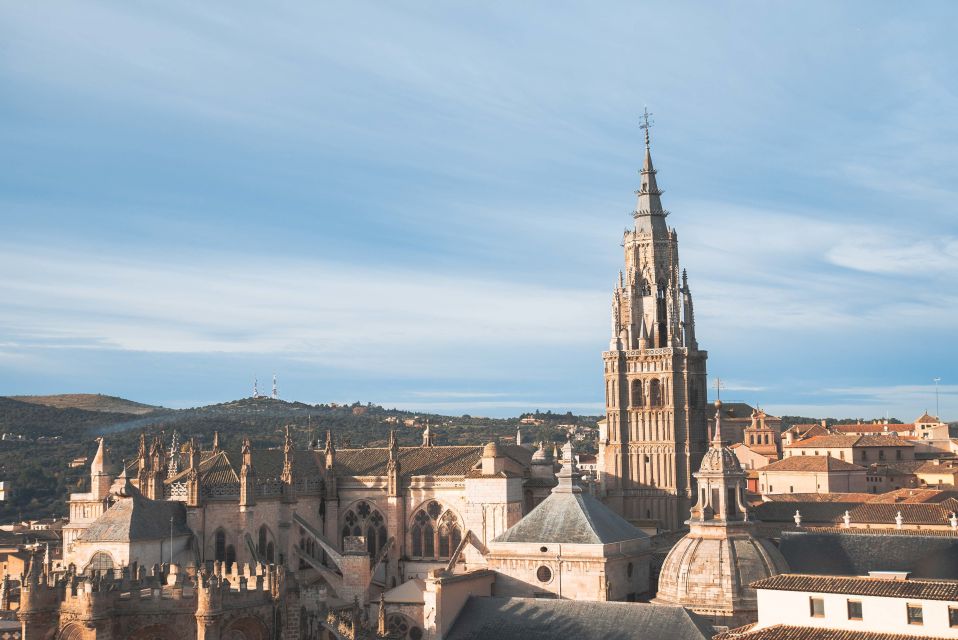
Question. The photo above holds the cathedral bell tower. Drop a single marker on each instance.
(655, 376)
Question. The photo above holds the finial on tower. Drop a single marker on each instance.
(647, 123)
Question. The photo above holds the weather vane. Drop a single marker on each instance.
(647, 123)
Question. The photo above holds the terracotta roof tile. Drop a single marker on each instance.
(862, 586)
(811, 463)
(834, 441)
(785, 632)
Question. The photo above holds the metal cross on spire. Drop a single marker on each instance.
(719, 385)
(647, 123)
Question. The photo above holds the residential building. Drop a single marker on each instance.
(811, 474)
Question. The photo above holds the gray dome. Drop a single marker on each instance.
(711, 575)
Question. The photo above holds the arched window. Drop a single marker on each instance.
(100, 563)
(230, 557)
(219, 546)
(270, 553)
(434, 534)
(363, 519)
(261, 545)
(637, 397)
(655, 393)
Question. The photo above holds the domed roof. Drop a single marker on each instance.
(711, 575)
(720, 460)
(541, 455)
(491, 450)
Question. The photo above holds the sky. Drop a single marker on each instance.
(420, 204)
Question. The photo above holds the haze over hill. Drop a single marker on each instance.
(89, 402)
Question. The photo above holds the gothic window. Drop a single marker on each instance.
(363, 519)
(655, 393)
(219, 547)
(400, 627)
(270, 553)
(637, 399)
(434, 534)
(261, 543)
(230, 557)
(100, 563)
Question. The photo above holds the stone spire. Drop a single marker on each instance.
(568, 475)
(216, 442)
(330, 450)
(392, 467)
(248, 476)
(288, 458)
(649, 214)
(122, 487)
(381, 627)
(173, 467)
(100, 479)
(427, 436)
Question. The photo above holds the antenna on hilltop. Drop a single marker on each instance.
(275, 394)
(255, 387)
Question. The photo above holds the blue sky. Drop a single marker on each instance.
(421, 204)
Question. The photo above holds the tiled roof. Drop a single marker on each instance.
(914, 495)
(871, 428)
(862, 586)
(839, 551)
(137, 518)
(545, 619)
(786, 632)
(835, 441)
(571, 518)
(807, 430)
(413, 461)
(926, 419)
(920, 513)
(811, 511)
(811, 463)
(912, 513)
(851, 498)
(901, 468)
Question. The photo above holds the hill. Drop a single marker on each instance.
(41, 440)
(89, 402)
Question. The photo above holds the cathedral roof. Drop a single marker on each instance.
(571, 518)
(416, 461)
(543, 619)
(137, 518)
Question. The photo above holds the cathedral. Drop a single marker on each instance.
(184, 543)
(430, 542)
(655, 432)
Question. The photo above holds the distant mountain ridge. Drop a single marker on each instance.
(89, 402)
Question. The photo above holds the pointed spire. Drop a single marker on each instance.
(568, 475)
(98, 468)
(330, 451)
(649, 214)
(519, 436)
(427, 436)
(381, 628)
(216, 442)
(717, 435)
(174, 464)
